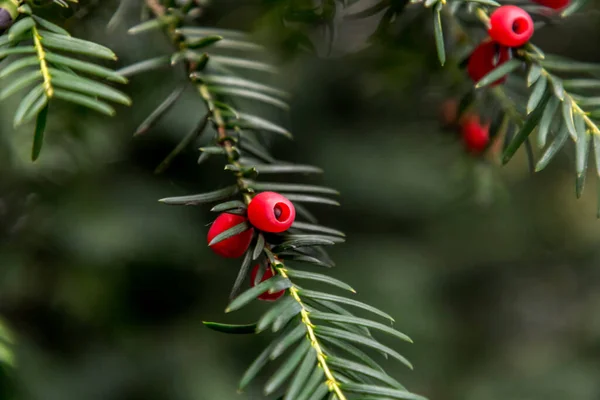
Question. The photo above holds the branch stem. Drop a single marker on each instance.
(216, 115)
(332, 383)
(41, 53)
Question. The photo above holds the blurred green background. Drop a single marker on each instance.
(494, 273)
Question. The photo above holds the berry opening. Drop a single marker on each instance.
(282, 212)
(520, 26)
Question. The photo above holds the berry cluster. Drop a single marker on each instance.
(509, 27)
(267, 212)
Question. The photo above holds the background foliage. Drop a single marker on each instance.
(491, 271)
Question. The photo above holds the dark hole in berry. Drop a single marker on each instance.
(282, 212)
(519, 26)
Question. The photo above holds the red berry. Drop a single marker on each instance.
(554, 4)
(475, 135)
(234, 246)
(271, 212)
(267, 275)
(487, 56)
(510, 26)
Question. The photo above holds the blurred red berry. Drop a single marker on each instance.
(448, 112)
(510, 26)
(234, 246)
(554, 4)
(271, 212)
(267, 275)
(476, 136)
(485, 58)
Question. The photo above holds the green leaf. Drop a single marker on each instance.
(291, 187)
(18, 65)
(302, 376)
(526, 129)
(269, 317)
(44, 23)
(567, 110)
(287, 339)
(228, 205)
(313, 383)
(557, 86)
(499, 72)
(248, 94)
(343, 300)
(36, 108)
(546, 121)
(260, 245)
(344, 364)
(311, 236)
(20, 83)
(317, 305)
(561, 64)
(88, 87)
(252, 293)
(287, 368)
(85, 101)
(259, 363)
(596, 140)
(185, 142)
(242, 274)
(221, 80)
(146, 65)
(257, 151)
(537, 93)
(74, 45)
(203, 42)
(582, 148)
(231, 329)
(159, 111)
(535, 71)
(293, 244)
(249, 121)
(320, 392)
(287, 169)
(241, 45)
(365, 341)
(354, 351)
(319, 278)
(380, 391)
(86, 67)
(7, 51)
(303, 212)
(317, 228)
(38, 136)
(348, 319)
(304, 259)
(20, 27)
(156, 23)
(207, 31)
(579, 84)
(28, 101)
(556, 144)
(286, 315)
(201, 198)
(243, 63)
(439, 35)
(234, 230)
(304, 198)
(573, 7)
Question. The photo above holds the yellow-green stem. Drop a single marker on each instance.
(332, 383)
(37, 41)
